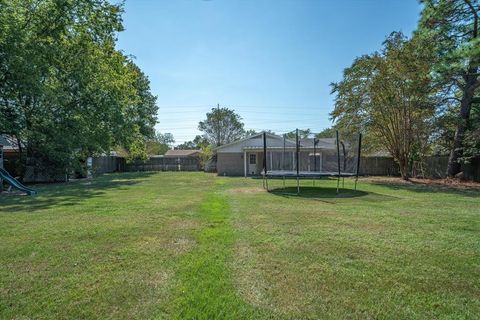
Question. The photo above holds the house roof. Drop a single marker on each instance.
(252, 137)
(322, 143)
(3, 141)
(182, 153)
(255, 142)
(8, 143)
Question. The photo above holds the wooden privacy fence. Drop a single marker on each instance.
(165, 164)
(106, 164)
(434, 167)
(378, 166)
(430, 167)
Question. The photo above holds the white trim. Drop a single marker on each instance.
(245, 163)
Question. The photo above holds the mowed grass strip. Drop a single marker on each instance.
(206, 287)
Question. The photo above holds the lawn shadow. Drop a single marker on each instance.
(318, 192)
(324, 193)
(421, 187)
(69, 193)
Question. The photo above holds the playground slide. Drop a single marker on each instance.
(14, 183)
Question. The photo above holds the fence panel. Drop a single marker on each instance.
(431, 167)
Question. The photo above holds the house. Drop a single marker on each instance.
(9, 145)
(3, 142)
(245, 157)
(178, 153)
(9, 152)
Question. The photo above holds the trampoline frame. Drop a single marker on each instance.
(297, 174)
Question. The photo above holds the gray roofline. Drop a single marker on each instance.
(274, 136)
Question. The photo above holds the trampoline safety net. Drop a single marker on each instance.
(301, 156)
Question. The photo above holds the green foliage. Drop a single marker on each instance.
(199, 142)
(327, 133)
(222, 126)
(450, 24)
(302, 134)
(207, 154)
(161, 143)
(389, 96)
(453, 27)
(472, 136)
(65, 91)
(252, 132)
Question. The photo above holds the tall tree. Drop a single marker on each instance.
(327, 133)
(65, 91)
(222, 126)
(453, 25)
(389, 95)
(302, 134)
(199, 142)
(160, 144)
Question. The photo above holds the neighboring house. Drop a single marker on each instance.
(3, 142)
(178, 153)
(10, 145)
(245, 157)
(8, 152)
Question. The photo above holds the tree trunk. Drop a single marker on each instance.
(456, 153)
(403, 166)
(468, 91)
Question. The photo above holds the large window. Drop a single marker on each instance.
(253, 159)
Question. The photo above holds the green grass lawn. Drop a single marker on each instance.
(197, 246)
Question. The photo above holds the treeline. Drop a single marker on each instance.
(420, 95)
(66, 92)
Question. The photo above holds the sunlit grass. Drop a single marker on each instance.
(197, 246)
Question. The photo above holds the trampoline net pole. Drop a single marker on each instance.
(264, 159)
(283, 159)
(314, 158)
(297, 160)
(338, 162)
(358, 158)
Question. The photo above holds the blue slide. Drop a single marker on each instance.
(14, 183)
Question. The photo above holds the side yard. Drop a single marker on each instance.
(193, 245)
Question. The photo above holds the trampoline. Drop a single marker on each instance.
(307, 174)
(311, 158)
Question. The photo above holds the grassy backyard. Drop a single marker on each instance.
(193, 245)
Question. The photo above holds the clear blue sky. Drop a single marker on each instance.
(271, 61)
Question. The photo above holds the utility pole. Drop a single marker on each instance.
(218, 124)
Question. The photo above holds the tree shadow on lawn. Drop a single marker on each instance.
(421, 187)
(69, 193)
(320, 193)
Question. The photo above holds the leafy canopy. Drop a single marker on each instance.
(388, 95)
(65, 91)
(222, 126)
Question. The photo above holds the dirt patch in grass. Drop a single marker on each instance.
(181, 245)
(184, 224)
(446, 183)
(250, 283)
(176, 246)
(247, 190)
